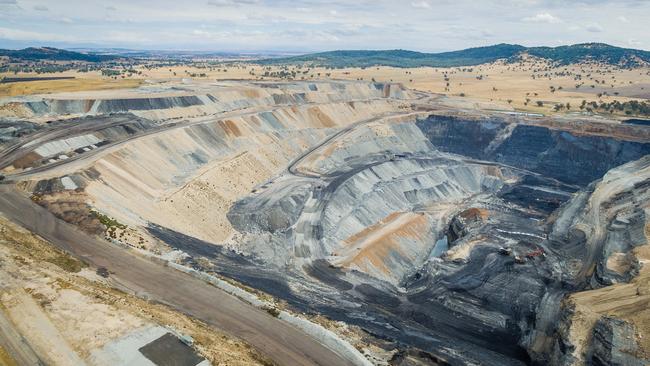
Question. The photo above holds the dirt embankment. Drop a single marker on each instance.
(45, 292)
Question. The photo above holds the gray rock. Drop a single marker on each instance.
(614, 344)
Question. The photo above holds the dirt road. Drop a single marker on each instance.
(280, 341)
(16, 345)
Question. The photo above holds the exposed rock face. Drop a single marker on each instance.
(162, 102)
(456, 240)
(71, 138)
(464, 223)
(10, 130)
(614, 344)
(274, 213)
(603, 231)
(507, 303)
(561, 155)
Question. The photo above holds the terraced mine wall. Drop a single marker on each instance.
(173, 103)
(11, 130)
(454, 237)
(568, 157)
(68, 139)
(170, 173)
(448, 239)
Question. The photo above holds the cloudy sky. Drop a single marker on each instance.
(315, 25)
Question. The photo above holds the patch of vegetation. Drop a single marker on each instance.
(108, 221)
(629, 108)
(598, 52)
(67, 263)
(110, 72)
(272, 310)
(54, 54)
(401, 58)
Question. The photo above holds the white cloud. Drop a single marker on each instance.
(21, 35)
(634, 42)
(231, 2)
(542, 18)
(41, 8)
(421, 4)
(311, 25)
(594, 28)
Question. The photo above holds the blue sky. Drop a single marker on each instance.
(312, 25)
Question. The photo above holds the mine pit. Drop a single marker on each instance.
(446, 236)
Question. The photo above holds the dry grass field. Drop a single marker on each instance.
(532, 85)
(66, 85)
(521, 86)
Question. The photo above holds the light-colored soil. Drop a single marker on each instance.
(37, 328)
(66, 85)
(65, 314)
(6, 359)
(369, 249)
(497, 85)
(357, 337)
(501, 83)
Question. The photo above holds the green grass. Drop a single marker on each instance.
(272, 310)
(108, 221)
(67, 263)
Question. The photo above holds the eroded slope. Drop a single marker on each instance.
(451, 238)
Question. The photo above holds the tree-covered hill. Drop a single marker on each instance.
(53, 54)
(472, 56)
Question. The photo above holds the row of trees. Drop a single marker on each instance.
(633, 107)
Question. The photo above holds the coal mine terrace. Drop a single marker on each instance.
(489, 214)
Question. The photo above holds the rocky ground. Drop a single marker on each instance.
(66, 312)
(414, 226)
(429, 239)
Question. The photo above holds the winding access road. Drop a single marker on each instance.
(278, 340)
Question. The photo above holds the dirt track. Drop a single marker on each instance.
(280, 341)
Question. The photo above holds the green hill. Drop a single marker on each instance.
(53, 54)
(471, 56)
(591, 51)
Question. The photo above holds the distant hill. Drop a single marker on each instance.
(468, 57)
(53, 54)
(591, 51)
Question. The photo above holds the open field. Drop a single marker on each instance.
(507, 86)
(499, 85)
(68, 85)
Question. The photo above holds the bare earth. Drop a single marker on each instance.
(55, 310)
(495, 85)
(285, 343)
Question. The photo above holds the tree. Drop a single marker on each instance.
(540, 103)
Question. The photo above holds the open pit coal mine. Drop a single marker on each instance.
(449, 235)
